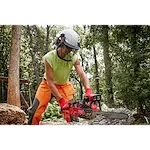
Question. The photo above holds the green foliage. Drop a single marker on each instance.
(94, 35)
(52, 112)
(129, 51)
(5, 42)
(131, 65)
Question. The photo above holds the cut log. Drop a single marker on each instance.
(10, 114)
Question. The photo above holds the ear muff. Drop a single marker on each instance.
(60, 40)
(57, 41)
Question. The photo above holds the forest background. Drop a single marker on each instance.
(116, 59)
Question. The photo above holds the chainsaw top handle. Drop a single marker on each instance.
(95, 97)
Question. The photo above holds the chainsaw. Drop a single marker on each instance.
(84, 109)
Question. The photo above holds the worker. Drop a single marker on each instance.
(58, 65)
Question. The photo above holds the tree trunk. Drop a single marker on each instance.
(34, 62)
(47, 37)
(107, 62)
(81, 86)
(96, 71)
(48, 28)
(13, 96)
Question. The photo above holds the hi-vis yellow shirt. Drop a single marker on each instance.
(60, 67)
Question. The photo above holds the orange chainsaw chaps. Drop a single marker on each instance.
(43, 95)
(67, 91)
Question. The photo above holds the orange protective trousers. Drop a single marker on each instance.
(43, 96)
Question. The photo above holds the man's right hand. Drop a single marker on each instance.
(68, 110)
(64, 104)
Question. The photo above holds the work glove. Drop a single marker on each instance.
(88, 93)
(69, 110)
(64, 104)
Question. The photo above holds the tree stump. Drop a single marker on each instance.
(12, 116)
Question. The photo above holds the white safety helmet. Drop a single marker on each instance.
(69, 38)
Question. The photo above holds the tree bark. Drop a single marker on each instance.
(47, 37)
(96, 71)
(107, 62)
(13, 96)
(34, 62)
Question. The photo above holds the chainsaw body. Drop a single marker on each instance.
(86, 105)
(84, 109)
(81, 109)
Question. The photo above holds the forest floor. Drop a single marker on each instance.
(98, 120)
(135, 120)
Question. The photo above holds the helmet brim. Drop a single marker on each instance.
(71, 46)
